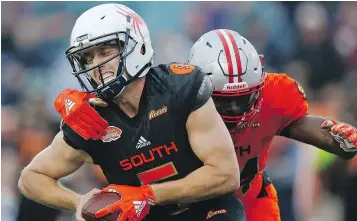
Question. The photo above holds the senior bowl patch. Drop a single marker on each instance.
(113, 133)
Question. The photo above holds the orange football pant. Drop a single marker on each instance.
(265, 208)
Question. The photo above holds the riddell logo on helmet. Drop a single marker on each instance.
(156, 113)
(113, 133)
(82, 37)
(235, 86)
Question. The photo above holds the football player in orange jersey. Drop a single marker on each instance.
(256, 106)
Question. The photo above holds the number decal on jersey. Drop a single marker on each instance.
(181, 68)
(248, 173)
(158, 173)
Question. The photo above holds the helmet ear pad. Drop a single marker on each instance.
(136, 61)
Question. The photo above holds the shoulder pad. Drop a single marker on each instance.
(182, 75)
(185, 81)
(285, 83)
(286, 96)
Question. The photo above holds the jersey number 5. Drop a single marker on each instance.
(157, 174)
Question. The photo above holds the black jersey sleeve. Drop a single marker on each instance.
(193, 88)
(204, 92)
(74, 140)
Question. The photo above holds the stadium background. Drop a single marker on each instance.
(314, 42)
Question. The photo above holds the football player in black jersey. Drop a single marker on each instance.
(154, 131)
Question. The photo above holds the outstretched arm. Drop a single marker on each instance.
(309, 130)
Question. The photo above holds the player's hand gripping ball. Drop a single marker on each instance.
(120, 203)
(76, 112)
(97, 202)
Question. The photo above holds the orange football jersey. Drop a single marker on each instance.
(284, 102)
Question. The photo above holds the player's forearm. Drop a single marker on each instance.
(46, 190)
(308, 130)
(203, 183)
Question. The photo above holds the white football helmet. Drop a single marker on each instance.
(236, 71)
(108, 24)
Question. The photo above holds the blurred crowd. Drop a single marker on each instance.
(313, 42)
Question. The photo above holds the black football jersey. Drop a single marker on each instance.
(153, 146)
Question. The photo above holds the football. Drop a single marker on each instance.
(97, 202)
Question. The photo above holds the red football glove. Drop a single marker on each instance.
(75, 110)
(343, 133)
(134, 204)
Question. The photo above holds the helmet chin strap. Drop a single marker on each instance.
(114, 89)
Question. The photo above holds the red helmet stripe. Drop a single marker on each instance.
(228, 55)
(236, 53)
